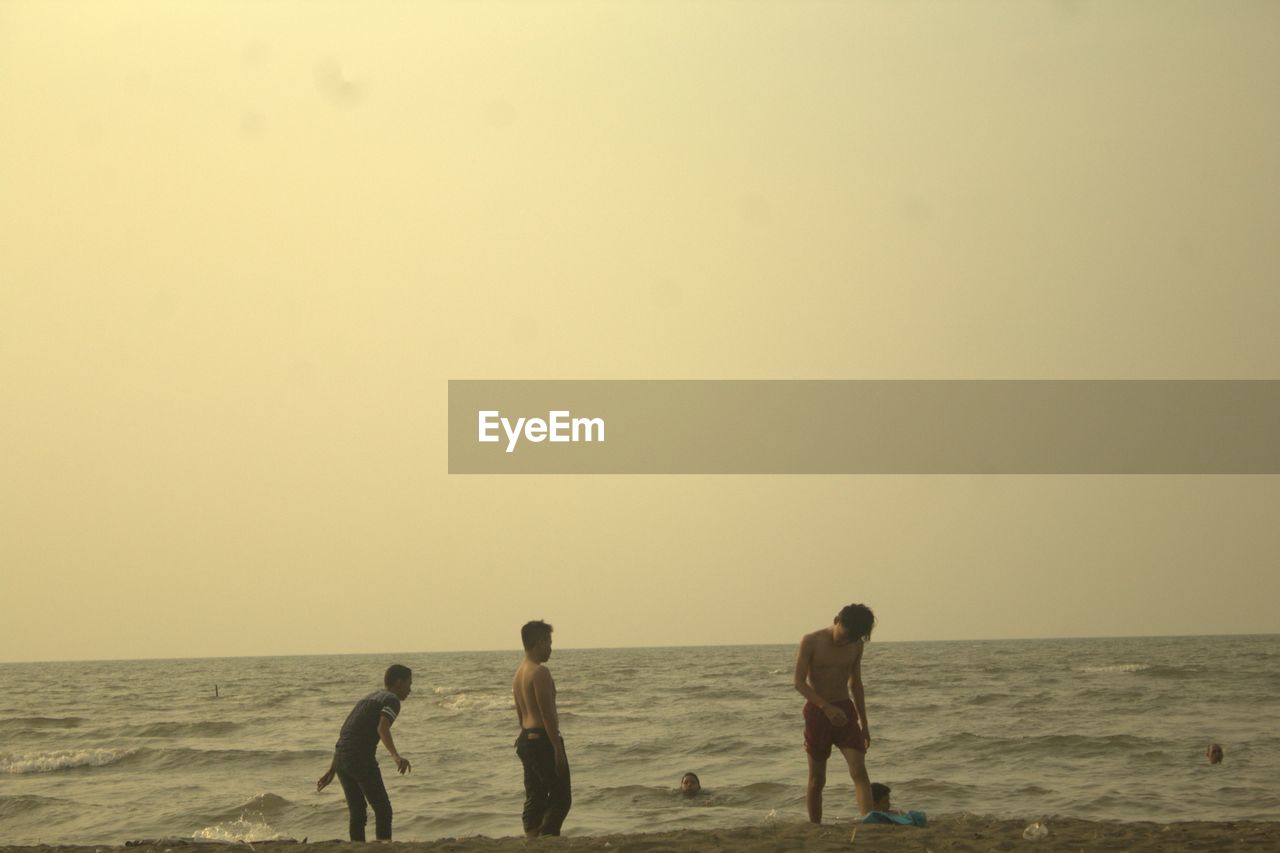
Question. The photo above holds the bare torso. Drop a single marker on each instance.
(524, 691)
(830, 664)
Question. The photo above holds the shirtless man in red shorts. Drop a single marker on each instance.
(829, 675)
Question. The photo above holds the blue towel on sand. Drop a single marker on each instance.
(911, 818)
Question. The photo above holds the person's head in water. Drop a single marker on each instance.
(536, 636)
(854, 623)
(880, 795)
(399, 680)
(689, 784)
(1214, 753)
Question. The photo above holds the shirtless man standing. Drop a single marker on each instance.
(829, 675)
(540, 747)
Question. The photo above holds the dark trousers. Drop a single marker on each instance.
(547, 795)
(362, 780)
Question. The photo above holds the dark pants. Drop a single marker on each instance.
(362, 780)
(547, 795)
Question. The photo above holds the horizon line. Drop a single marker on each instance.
(514, 650)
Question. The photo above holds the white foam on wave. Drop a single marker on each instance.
(466, 702)
(1117, 667)
(62, 759)
(240, 830)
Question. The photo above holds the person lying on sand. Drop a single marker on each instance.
(880, 793)
(885, 813)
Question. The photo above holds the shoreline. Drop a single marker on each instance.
(962, 833)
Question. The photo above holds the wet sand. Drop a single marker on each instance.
(966, 833)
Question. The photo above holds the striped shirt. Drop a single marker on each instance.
(359, 735)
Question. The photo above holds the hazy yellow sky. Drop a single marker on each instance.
(244, 245)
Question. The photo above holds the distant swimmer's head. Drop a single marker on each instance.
(536, 636)
(399, 680)
(880, 794)
(1214, 753)
(854, 623)
(689, 784)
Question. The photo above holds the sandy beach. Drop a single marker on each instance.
(961, 834)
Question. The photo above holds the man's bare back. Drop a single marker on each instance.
(530, 679)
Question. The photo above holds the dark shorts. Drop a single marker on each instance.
(820, 734)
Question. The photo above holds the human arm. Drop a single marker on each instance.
(859, 699)
(804, 660)
(324, 780)
(544, 691)
(384, 735)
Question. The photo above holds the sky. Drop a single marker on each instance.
(244, 246)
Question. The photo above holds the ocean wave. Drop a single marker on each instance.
(1115, 667)
(723, 745)
(186, 757)
(1055, 745)
(907, 707)
(630, 794)
(1033, 790)
(26, 804)
(668, 796)
(23, 725)
(1190, 670)
(752, 794)
(1033, 700)
(632, 749)
(240, 830)
(710, 691)
(936, 787)
(62, 759)
(1085, 746)
(467, 702)
(172, 729)
(262, 806)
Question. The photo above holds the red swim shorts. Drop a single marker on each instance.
(820, 734)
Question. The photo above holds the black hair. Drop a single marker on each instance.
(858, 620)
(879, 791)
(687, 775)
(534, 632)
(396, 672)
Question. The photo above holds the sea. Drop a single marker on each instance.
(104, 752)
